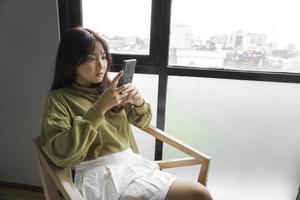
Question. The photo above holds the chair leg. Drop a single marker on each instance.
(49, 187)
(203, 174)
(298, 195)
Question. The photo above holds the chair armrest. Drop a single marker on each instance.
(66, 185)
(197, 156)
(60, 176)
(180, 162)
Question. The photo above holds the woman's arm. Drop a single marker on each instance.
(66, 141)
(138, 111)
(139, 116)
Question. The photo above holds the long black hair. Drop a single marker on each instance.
(73, 50)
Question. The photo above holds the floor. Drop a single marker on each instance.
(18, 194)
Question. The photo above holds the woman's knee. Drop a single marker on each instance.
(182, 189)
(202, 194)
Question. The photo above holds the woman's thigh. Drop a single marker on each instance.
(182, 189)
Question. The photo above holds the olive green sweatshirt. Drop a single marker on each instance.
(73, 130)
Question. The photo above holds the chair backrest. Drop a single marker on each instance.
(56, 179)
(133, 144)
(53, 178)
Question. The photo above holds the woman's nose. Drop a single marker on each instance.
(99, 64)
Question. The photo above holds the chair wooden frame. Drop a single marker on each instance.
(55, 179)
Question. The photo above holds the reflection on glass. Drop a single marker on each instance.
(243, 35)
(125, 25)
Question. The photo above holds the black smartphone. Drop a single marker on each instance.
(128, 67)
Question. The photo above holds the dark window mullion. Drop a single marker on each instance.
(156, 32)
(141, 59)
(69, 14)
(165, 15)
(234, 74)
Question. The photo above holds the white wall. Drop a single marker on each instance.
(28, 42)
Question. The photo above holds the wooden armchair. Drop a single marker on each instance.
(55, 179)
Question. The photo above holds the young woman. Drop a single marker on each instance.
(86, 127)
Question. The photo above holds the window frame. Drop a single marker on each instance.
(70, 14)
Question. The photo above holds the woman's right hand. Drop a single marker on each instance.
(112, 96)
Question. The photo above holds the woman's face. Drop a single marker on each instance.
(93, 69)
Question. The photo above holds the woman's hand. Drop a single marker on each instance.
(134, 96)
(112, 96)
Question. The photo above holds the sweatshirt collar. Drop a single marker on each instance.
(89, 90)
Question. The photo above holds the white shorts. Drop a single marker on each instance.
(122, 176)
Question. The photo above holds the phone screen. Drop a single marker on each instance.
(128, 66)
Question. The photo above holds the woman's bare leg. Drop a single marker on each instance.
(182, 189)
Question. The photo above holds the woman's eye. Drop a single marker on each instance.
(103, 57)
(91, 58)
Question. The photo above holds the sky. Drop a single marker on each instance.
(276, 18)
(118, 17)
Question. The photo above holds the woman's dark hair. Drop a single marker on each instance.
(73, 50)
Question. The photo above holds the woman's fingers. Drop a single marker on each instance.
(131, 95)
(128, 93)
(129, 89)
(122, 88)
(122, 95)
(116, 79)
(134, 93)
(136, 97)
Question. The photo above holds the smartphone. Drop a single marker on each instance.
(128, 67)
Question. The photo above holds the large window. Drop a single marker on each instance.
(193, 47)
(233, 34)
(125, 25)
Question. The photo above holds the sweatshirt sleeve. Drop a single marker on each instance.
(66, 141)
(139, 116)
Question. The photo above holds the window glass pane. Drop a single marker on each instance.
(256, 35)
(125, 25)
(247, 128)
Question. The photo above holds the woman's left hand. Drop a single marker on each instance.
(134, 96)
